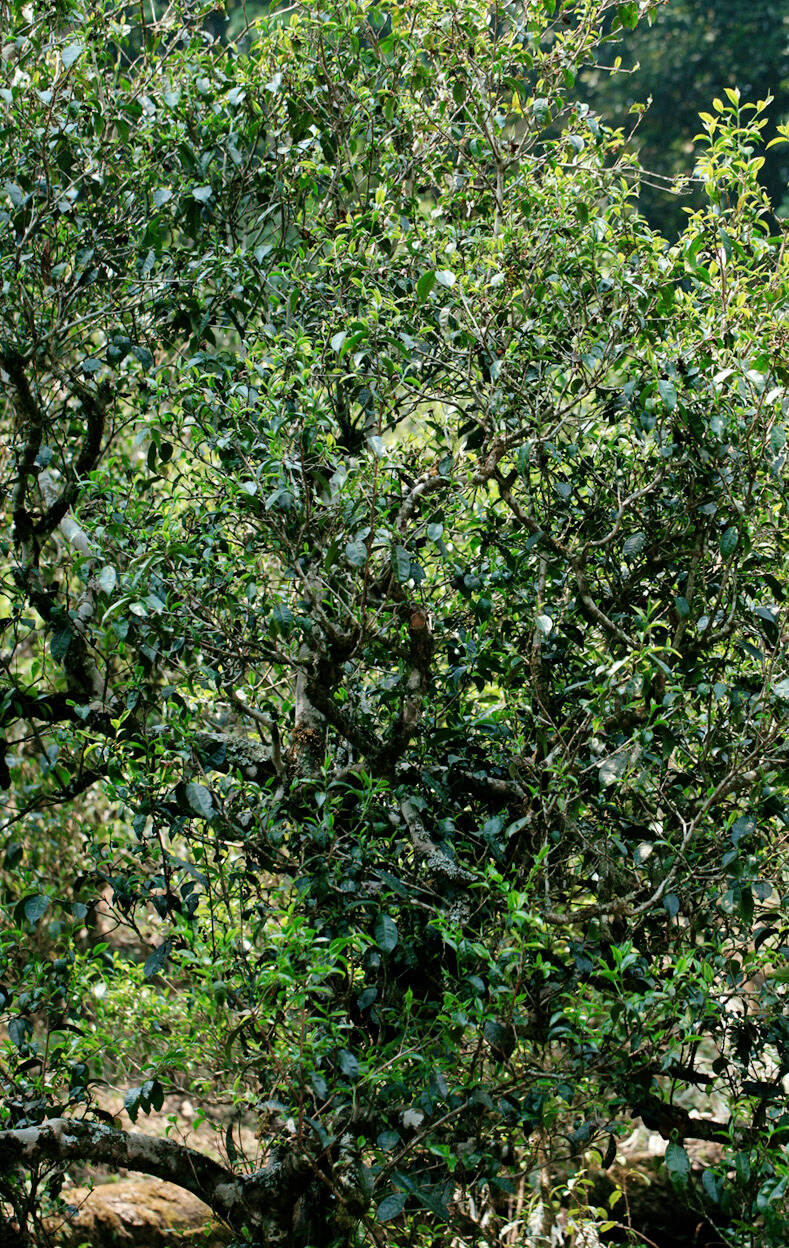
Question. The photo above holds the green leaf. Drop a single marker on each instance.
(348, 1064)
(15, 194)
(683, 607)
(338, 340)
(386, 933)
(711, 1184)
(131, 1102)
(744, 826)
(107, 579)
(199, 799)
(202, 194)
(35, 907)
(745, 902)
(668, 394)
(391, 1207)
(156, 961)
(71, 54)
(769, 617)
(161, 196)
(499, 1037)
(438, 1084)
(282, 615)
(424, 286)
(634, 545)
(429, 1201)
(151, 1095)
(627, 15)
(356, 553)
(729, 539)
(678, 1163)
(17, 1032)
(446, 278)
(144, 356)
(402, 563)
(61, 640)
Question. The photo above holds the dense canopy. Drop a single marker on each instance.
(394, 643)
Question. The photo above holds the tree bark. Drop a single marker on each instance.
(239, 1200)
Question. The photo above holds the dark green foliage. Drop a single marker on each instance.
(393, 611)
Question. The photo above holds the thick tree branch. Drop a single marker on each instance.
(73, 532)
(417, 681)
(425, 485)
(308, 738)
(493, 791)
(672, 1121)
(90, 450)
(321, 701)
(236, 1199)
(85, 682)
(433, 856)
(32, 428)
(224, 752)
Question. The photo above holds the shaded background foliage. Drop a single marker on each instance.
(694, 50)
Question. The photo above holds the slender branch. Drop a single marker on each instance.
(222, 751)
(417, 681)
(586, 601)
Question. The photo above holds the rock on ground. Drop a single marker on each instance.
(146, 1213)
